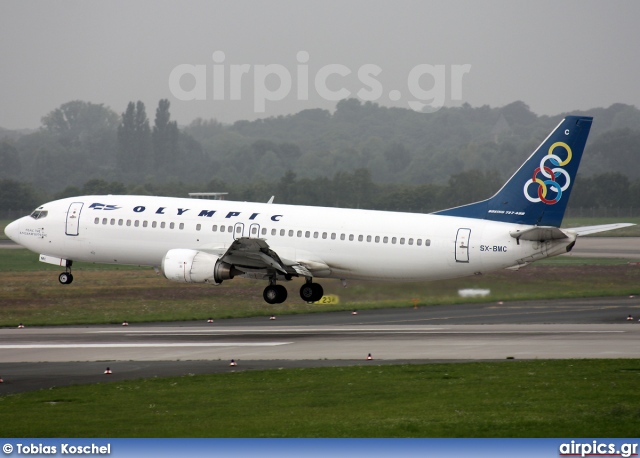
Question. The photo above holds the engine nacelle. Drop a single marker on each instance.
(192, 266)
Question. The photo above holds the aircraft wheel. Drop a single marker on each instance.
(65, 278)
(275, 294)
(311, 292)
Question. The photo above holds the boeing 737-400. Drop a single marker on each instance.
(207, 241)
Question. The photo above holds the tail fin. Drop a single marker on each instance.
(537, 194)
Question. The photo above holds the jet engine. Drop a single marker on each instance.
(192, 266)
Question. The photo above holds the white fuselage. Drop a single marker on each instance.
(331, 242)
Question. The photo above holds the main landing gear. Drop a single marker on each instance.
(277, 294)
(311, 292)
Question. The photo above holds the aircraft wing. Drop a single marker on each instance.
(253, 254)
(255, 257)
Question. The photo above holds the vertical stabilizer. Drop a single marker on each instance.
(537, 194)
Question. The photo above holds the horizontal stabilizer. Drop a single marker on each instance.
(585, 230)
(539, 234)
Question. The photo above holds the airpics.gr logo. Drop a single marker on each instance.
(546, 177)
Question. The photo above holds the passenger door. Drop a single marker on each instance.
(73, 219)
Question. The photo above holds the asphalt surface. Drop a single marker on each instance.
(40, 358)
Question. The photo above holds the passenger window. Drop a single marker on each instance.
(341, 236)
(333, 236)
(230, 229)
(419, 242)
(324, 235)
(113, 221)
(221, 228)
(299, 233)
(393, 240)
(120, 222)
(154, 224)
(198, 227)
(136, 223)
(144, 224)
(290, 233)
(274, 231)
(377, 239)
(360, 238)
(129, 222)
(427, 242)
(238, 230)
(385, 240)
(162, 224)
(181, 226)
(368, 238)
(96, 221)
(104, 220)
(410, 241)
(351, 237)
(402, 241)
(282, 232)
(315, 235)
(307, 234)
(172, 225)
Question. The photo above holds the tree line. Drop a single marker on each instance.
(345, 189)
(361, 155)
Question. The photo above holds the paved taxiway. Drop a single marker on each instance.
(33, 358)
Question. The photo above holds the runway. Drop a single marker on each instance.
(35, 358)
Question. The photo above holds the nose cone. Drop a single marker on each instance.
(13, 231)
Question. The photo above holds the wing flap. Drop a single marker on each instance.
(253, 256)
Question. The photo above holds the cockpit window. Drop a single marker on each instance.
(39, 214)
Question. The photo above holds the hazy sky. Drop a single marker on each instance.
(233, 60)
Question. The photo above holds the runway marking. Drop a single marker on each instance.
(532, 312)
(356, 331)
(188, 332)
(143, 345)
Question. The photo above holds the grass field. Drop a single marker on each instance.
(30, 292)
(573, 398)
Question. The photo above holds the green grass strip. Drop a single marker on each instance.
(564, 398)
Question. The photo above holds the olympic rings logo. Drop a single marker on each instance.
(545, 176)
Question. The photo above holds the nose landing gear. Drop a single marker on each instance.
(65, 278)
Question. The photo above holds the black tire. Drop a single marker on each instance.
(270, 295)
(275, 294)
(311, 292)
(282, 294)
(65, 278)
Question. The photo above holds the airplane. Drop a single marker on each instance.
(211, 241)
